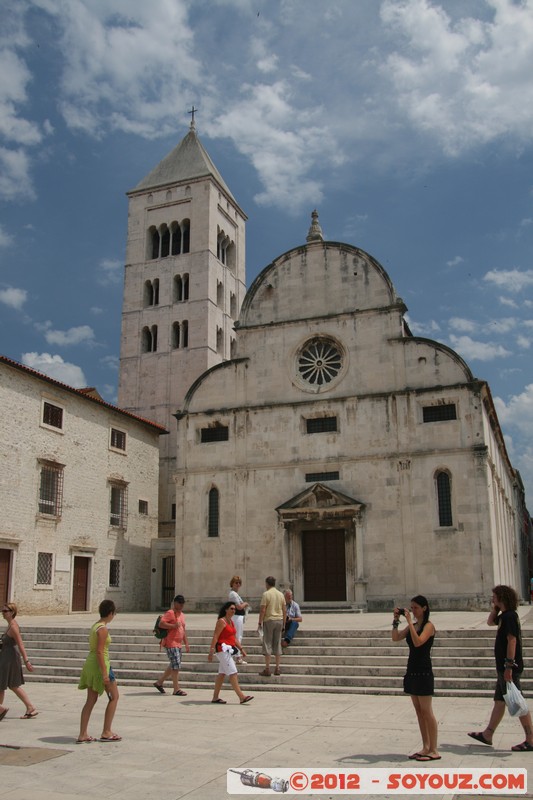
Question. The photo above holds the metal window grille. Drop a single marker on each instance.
(52, 415)
(118, 439)
(213, 513)
(51, 490)
(314, 477)
(143, 506)
(444, 495)
(321, 424)
(114, 573)
(439, 413)
(218, 433)
(118, 507)
(44, 569)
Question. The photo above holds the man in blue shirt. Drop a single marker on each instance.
(294, 617)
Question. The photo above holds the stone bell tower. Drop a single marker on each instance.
(183, 288)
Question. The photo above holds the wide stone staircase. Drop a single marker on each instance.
(354, 662)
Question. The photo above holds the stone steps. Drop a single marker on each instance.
(332, 661)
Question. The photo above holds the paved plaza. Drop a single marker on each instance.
(181, 747)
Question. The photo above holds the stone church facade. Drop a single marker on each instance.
(317, 439)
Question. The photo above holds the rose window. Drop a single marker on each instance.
(319, 362)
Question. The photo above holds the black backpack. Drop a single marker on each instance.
(159, 633)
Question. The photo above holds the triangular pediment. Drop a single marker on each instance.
(319, 498)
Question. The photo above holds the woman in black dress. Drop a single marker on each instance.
(418, 680)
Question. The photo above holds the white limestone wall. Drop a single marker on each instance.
(83, 529)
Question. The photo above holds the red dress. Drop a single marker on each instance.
(227, 636)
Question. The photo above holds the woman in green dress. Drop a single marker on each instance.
(97, 676)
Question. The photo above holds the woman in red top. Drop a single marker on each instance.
(223, 643)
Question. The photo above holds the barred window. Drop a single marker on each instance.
(114, 573)
(51, 489)
(217, 433)
(44, 569)
(143, 506)
(52, 415)
(439, 413)
(118, 439)
(321, 424)
(444, 499)
(213, 513)
(314, 477)
(118, 506)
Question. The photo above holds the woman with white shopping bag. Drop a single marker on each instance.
(509, 666)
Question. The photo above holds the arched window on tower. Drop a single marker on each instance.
(146, 340)
(165, 241)
(233, 305)
(220, 340)
(156, 291)
(178, 289)
(184, 333)
(148, 294)
(154, 338)
(444, 498)
(213, 513)
(186, 286)
(220, 293)
(176, 239)
(175, 335)
(155, 240)
(185, 235)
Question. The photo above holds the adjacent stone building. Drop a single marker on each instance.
(79, 488)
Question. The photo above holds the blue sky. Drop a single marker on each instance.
(408, 124)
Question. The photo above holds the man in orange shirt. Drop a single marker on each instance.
(173, 621)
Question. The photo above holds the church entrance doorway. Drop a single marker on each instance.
(5, 565)
(324, 565)
(80, 583)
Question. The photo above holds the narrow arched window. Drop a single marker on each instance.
(156, 292)
(155, 243)
(176, 239)
(178, 289)
(213, 513)
(444, 499)
(175, 335)
(165, 241)
(154, 338)
(146, 340)
(148, 294)
(184, 333)
(185, 236)
(185, 287)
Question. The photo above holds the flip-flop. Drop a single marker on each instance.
(219, 701)
(414, 756)
(114, 738)
(30, 714)
(480, 738)
(524, 747)
(428, 758)
(3, 713)
(247, 699)
(159, 688)
(86, 741)
(180, 693)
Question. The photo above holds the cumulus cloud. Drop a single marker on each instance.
(112, 362)
(82, 333)
(426, 329)
(5, 238)
(472, 350)
(513, 280)
(454, 262)
(55, 367)
(517, 413)
(15, 179)
(110, 271)
(463, 325)
(14, 298)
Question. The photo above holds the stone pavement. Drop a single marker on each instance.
(181, 747)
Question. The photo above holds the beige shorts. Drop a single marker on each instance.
(272, 630)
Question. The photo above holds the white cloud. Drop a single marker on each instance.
(477, 351)
(96, 310)
(5, 238)
(15, 180)
(14, 298)
(523, 342)
(514, 280)
(508, 301)
(454, 262)
(517, 413)
(56, 368)
(463, 325)
(450, 73)
(110, 271)
(110, 361)
(83, 333)
(423, 328)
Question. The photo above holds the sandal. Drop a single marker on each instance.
(3, 713)
(219, 701)
(159, 687)
(524, 747)
(30, 714)
(247, 699)
(86, 741)
(480, 738)
(114, 738)
(180, 693)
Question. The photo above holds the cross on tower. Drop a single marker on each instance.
(192, 113)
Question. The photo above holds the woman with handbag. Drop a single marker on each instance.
(11, 652)
(224, 644)
(509, 664)
(418, 680)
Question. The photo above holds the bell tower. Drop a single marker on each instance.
(183, 288)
